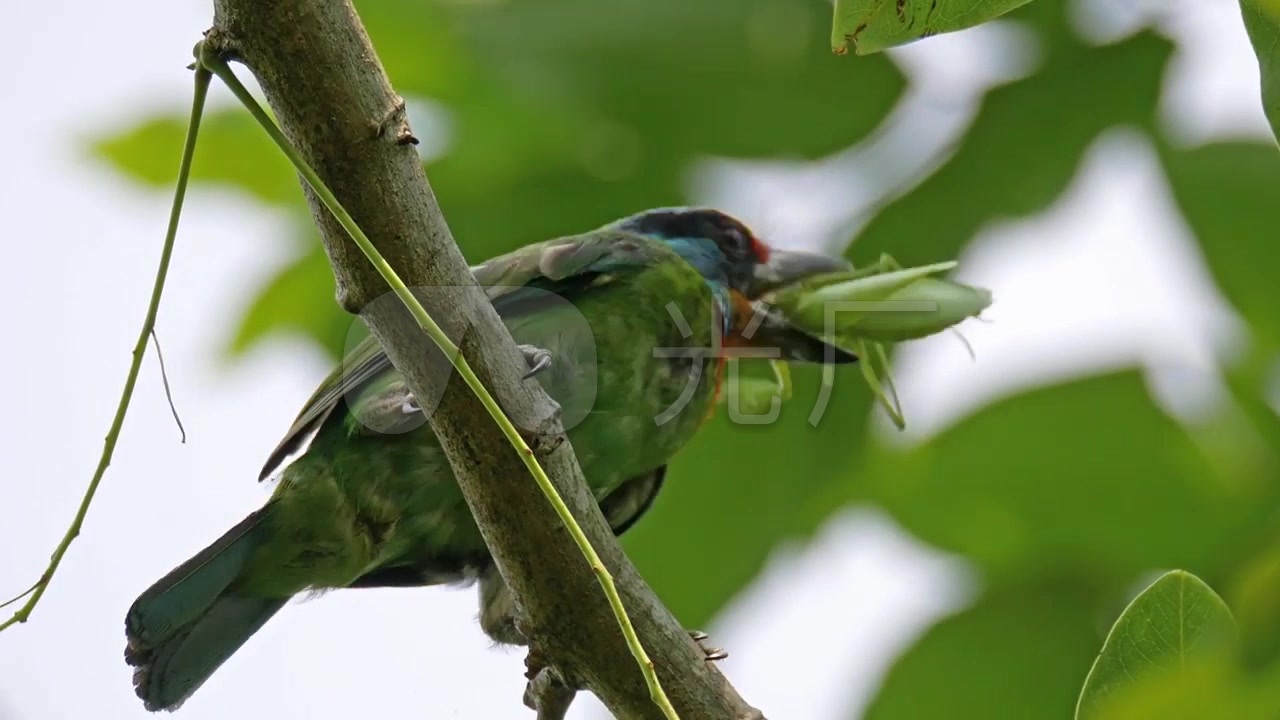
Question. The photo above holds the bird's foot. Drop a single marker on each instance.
(538, 359)
(547, 691)
(713, 653)
(534, 663)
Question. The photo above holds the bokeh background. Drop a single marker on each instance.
(1102, 165)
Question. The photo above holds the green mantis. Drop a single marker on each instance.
(863, 309)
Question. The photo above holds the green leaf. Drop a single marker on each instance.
(1203, 689)
(875, 25)
(232, 150)
(1023, 148)
(1262, 21)
(299, 301)
(741, 78)
(1227, 192)
(1085, 477)
(419, 47)
(1175, 619)
(1014, 655)
(1255, 594)
(541, 203)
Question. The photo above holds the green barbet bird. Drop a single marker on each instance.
(622, 326)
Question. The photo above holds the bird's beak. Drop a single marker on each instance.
(767, 328)
(785, 267)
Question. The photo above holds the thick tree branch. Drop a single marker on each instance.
(333, 101)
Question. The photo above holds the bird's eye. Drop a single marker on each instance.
(737, 239)
(739, 242)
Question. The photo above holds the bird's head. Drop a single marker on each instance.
(740, 268)
(725, 251)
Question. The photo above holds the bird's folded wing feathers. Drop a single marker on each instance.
(514, 283)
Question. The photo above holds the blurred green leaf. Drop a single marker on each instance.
(1175, 619)
(1013, 656)
(1023, 148)
(297, 301)
(581, 116)
(1203, 689)
(1255, 595)
(1056, 22)
(742, 78)
(419, 47)
(1262, 21)
(751, 396)
(1227, 192)
(739, 490)
(232, 150)
(541, 204)
(1084, 477)
(875, 25)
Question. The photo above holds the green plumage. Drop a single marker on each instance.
(373, 496)
(374, 490)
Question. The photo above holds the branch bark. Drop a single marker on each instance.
(333, 101)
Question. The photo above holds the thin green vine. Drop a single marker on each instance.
(36, 591)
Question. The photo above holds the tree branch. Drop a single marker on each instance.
(335, 104)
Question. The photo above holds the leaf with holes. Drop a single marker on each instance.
(875, 25)
(1175, 620)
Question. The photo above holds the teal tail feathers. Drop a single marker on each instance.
(190, 621)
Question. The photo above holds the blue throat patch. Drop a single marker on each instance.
(705, 257)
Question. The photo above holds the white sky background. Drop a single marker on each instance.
(81, 249)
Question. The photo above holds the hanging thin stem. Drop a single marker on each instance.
(202, 78)
(168, 393)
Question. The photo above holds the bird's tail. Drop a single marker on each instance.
(190, 621)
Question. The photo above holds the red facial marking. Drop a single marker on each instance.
(760, 249)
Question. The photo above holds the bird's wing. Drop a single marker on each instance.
(517, 283)
(621, 508)
(633, 498)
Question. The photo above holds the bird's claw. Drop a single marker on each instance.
(534, 664)
(538, 359)
(547, 691)
(712, 653)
